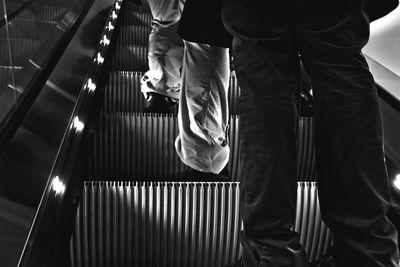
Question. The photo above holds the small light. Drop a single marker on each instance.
(91, 86)
(58, 186)
(77, 124)
(105, 40)
(117, 6)
(99, 58)
(110, 26)
(114, 15)
(397, 181)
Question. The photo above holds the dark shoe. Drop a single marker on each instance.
(191, 174)
(238, 263)
(268, 256)
(136, 2)
(157, 103)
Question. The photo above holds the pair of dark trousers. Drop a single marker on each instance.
(353, 185)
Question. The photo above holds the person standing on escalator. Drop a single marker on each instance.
(353, 186)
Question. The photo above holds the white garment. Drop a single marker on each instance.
(203, 108)
(165, 50)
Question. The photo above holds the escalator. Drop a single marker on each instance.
(136, 210)
(126, 202)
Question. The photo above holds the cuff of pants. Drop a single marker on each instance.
(204, 157)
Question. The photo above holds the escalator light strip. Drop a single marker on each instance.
(77, 124)
(397, 181)
(58, 186)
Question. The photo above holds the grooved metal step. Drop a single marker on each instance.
(28, 29)
(138, 35)
(22, 50)
(141, 146)
(130, 57)
(136, 15)
(43, 13)
(123, 93)
(170, 224)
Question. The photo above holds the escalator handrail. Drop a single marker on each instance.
(44, 225)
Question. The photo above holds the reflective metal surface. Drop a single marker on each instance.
(25, 164)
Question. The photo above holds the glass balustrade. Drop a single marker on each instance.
(26, 29)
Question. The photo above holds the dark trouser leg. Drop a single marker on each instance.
(268, 76)
(353, 185)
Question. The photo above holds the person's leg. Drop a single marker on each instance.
(203, 108)
(267, 66)
(165, 50)
(352, 180)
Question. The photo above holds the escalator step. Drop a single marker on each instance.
(314, 234)
(22, 50)
(136, 15)
(123, 93)
(133, 146)
(28, 29)
(138, 35)
(306, 169)
(130, 57)
(43, 13)
(175, 224)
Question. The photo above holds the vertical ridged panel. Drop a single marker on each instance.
(22, 50)
(42, 13)
(314, 235)
(136, 15)
(233, 94)
(130, 57)
(138, 35)
(142, 145)
(306, 169)
(177, 224)
(123, 93)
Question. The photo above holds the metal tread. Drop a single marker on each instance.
(173, 224)
(136, 145)
(123, 93)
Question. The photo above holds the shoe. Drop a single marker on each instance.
(191, 174)
(157, 103)
(136, 2)
(238, 263)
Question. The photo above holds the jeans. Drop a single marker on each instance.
(165, 50)
(353, 185)
(203, 108)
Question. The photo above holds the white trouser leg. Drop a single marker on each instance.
(203, 108)
(165, 50)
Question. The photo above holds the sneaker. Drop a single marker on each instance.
(157, 103)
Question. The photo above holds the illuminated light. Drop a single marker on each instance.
(99, 58)
(114, 15)
(58, 186)
(105, 40)
(77, 124)
(397, 181)
(117, 6)
(110, 26)
(91, 86)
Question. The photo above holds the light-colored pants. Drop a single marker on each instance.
(203, 108)
(165, 50)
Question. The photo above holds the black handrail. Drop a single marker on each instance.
(44, 226)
